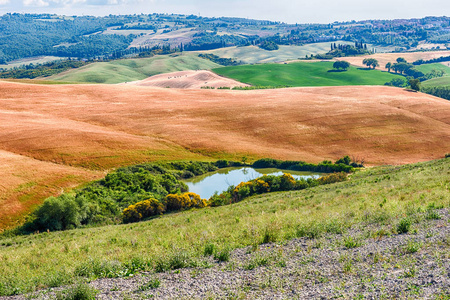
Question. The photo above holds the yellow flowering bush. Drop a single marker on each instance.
(143, 209)
(184, 201)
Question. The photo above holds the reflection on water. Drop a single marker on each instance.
(206, 184)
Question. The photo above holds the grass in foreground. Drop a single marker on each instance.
(304, 74)
(383, 196)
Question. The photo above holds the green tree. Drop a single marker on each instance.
(401, 60)
(371, 62)
(388, 66)
(344, 65)
(415, 84)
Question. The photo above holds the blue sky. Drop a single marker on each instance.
(290, 11)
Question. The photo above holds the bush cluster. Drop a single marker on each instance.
(142, 210)
(153, 207)
(138, 192)
(344, 164)
(184, 201)
(271, 183)
(103, 201)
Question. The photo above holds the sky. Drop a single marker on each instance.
(289, 11)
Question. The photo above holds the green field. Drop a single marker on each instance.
(427, 68)
(304, 74)
(127, 70)
(254, 55)
(435, 82)
(379, 197)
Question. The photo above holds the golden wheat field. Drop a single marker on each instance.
(53, 137)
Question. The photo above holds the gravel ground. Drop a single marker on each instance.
(363, 263)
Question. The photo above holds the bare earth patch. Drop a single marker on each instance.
(188, 80)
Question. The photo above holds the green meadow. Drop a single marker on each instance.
(427, 68)
(304, 74)
(437, 82)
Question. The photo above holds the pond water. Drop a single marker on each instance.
(205, 185)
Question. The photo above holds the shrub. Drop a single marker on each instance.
(219, 200)
(242, 190)
(184, 201)
(344, 160)
(287, 182)
(260, 186)
(143, 209)
(60, 213)
(332, 178)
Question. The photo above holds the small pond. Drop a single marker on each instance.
(205, 185)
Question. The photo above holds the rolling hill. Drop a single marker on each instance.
(427, 68)
(126, 70)
(189, 80)
(256, 55)
(303, 74)
(437, 82)
(76, 130)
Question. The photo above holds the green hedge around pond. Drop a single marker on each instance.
(104, 201)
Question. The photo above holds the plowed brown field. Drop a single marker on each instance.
(56, 136)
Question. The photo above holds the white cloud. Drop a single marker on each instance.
(37, 3)
(4, 2)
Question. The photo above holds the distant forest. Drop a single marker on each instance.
(87, 37)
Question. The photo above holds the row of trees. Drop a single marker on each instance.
(404, 68)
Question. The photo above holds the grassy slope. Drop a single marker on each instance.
(304, 74)
(126, 70)
(442, 81)
(253, 54)
(427, 68)
(375, 196)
